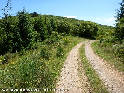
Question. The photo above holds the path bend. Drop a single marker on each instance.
(113, 80)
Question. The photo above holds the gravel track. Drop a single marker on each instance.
(69, 76)
(113, 80)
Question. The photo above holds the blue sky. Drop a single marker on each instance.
(99, 11)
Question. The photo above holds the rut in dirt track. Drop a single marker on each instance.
(113, 80)
(69, 78)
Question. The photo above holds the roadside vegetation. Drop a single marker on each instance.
(111, 53)
(111, 41)
(37, 68)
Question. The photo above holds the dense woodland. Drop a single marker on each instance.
(28, 31)
(22, 31)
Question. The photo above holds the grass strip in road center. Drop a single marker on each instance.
(95, 82)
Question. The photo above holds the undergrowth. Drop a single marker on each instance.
(36, 68)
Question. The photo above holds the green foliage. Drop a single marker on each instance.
(120, 23)
(63, 27)
(60, 52)
(38, 68)
(120, 13)
(33, 73)
(120, 29)
(66, 41)
(16, 33)
(34, 14)
(106, 34)
(53, 38)
(112, 53)
(41, 27)
(7, 34)
(28, 73)
(88, 30)
(119, 51)
(75, 29)
(53, 23)
(6, 58)
(44, 53)
(25, 29)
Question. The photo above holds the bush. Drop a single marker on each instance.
(41, 28)
(87, 29)
(29, 72)
(53, 38)
(66, 41)
(25, 28)
(63, 27)
(44, 53)
(119, 51)
(16, 33)
(60, 52)
(7, 30)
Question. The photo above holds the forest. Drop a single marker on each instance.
(33, 46)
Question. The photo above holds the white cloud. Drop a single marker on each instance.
(71, 16)
(105, 21)
(100, 20)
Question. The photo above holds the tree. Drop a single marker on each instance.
(26, 33)
(34, 14)
(6, 30)
(41, 27)
(119, 33)
(7, 8)
(120, 13)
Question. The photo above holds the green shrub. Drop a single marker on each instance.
(7, 29)
(16, 33)
(53, 38)
(119, 51)
(41, 28)
(44, 53)
(29, 72)
(60, 52)
(63, 27)
(25, 28)
(6, 58)
(66, 41)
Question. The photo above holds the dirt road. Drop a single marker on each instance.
(113, 80)
(69, 77)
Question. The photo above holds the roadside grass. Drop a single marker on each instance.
(107, 53)
(37, 68)
(94, 80)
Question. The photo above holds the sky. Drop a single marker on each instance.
(99, 11)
